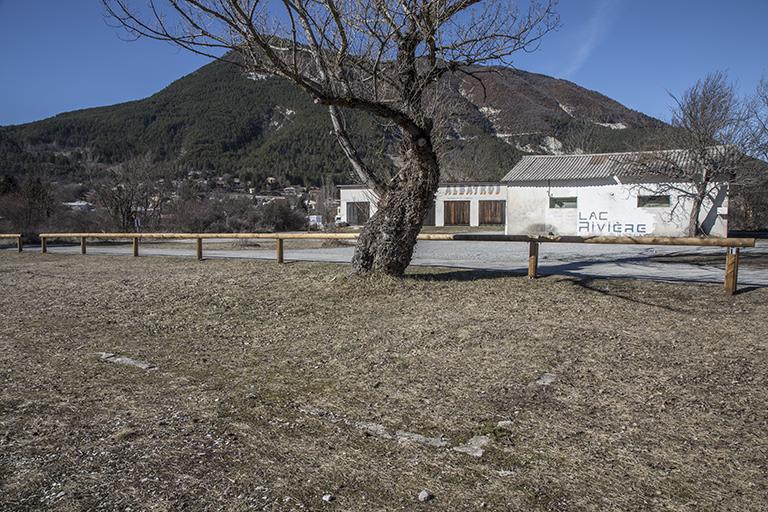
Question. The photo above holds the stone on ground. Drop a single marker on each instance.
(425, 496)
(412, 437)
(546, 379)
(474, 446)
(118, 359)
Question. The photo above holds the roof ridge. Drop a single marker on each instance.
(584, 155)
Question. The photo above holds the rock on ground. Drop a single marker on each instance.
(425, 496)
(546, 379)
(474, 446)
(411, 437)
(117, 359)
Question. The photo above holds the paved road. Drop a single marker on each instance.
(579, 260)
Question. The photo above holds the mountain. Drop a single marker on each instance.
(218, 120)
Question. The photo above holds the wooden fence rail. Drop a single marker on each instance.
(14, 236)
(732, 245)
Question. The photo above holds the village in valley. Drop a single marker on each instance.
(379, 255)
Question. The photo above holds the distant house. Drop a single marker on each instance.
(80, 206)
(266, 198)
(583, 195)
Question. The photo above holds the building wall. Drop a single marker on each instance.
(472, 192)
(355, 195)
(605, 207)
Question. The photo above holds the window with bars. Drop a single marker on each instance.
(653, 201)
(563, 202)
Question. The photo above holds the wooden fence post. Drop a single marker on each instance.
(82, 245)
(533, 259)
(43, 244)
(731, 270)
(19, 244)
(135, 247)
(279, 249)
(200, 249)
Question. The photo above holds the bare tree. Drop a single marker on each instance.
(758, 111)
(131, 192)
(384, 57)
(749, 201)
(326, 201)
(583, 138)
(27, 206)
(710, 129)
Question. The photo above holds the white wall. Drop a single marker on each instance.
(607, 208)
(474, 193)
(356, 195)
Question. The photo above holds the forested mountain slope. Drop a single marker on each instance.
(219, 120)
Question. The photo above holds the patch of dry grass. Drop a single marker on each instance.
(659, 401)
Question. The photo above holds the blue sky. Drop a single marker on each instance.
(60, 55)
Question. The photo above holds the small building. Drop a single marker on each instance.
(582, 195)
(81, 206)
(607, 194)
(266, 198)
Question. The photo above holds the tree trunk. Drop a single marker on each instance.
(694, 227)
(386, 242)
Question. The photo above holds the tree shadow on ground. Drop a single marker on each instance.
(569, 273)
(589, 285)
(468, 274)
(586, 283)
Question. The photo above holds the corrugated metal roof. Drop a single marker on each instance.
(596, 166)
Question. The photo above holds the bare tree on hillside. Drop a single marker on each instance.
(710, 126)
(384, 57)
(582, 139)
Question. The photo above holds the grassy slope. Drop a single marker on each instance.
(659, 403)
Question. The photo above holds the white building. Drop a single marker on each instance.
(81, 206)
(456, 204)
(580, 195)
(605, 194)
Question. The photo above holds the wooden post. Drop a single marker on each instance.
(200, 249)
(19, 244)
(136, 247)
(82, 245)
(43, 244)
(731, 270)
(533, 259)
(279, 249)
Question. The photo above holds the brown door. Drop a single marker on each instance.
(456, 213)
(492, 212)
(358, 213)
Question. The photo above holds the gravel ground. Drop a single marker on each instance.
(274, 386)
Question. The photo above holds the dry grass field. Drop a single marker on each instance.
(276, 385)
